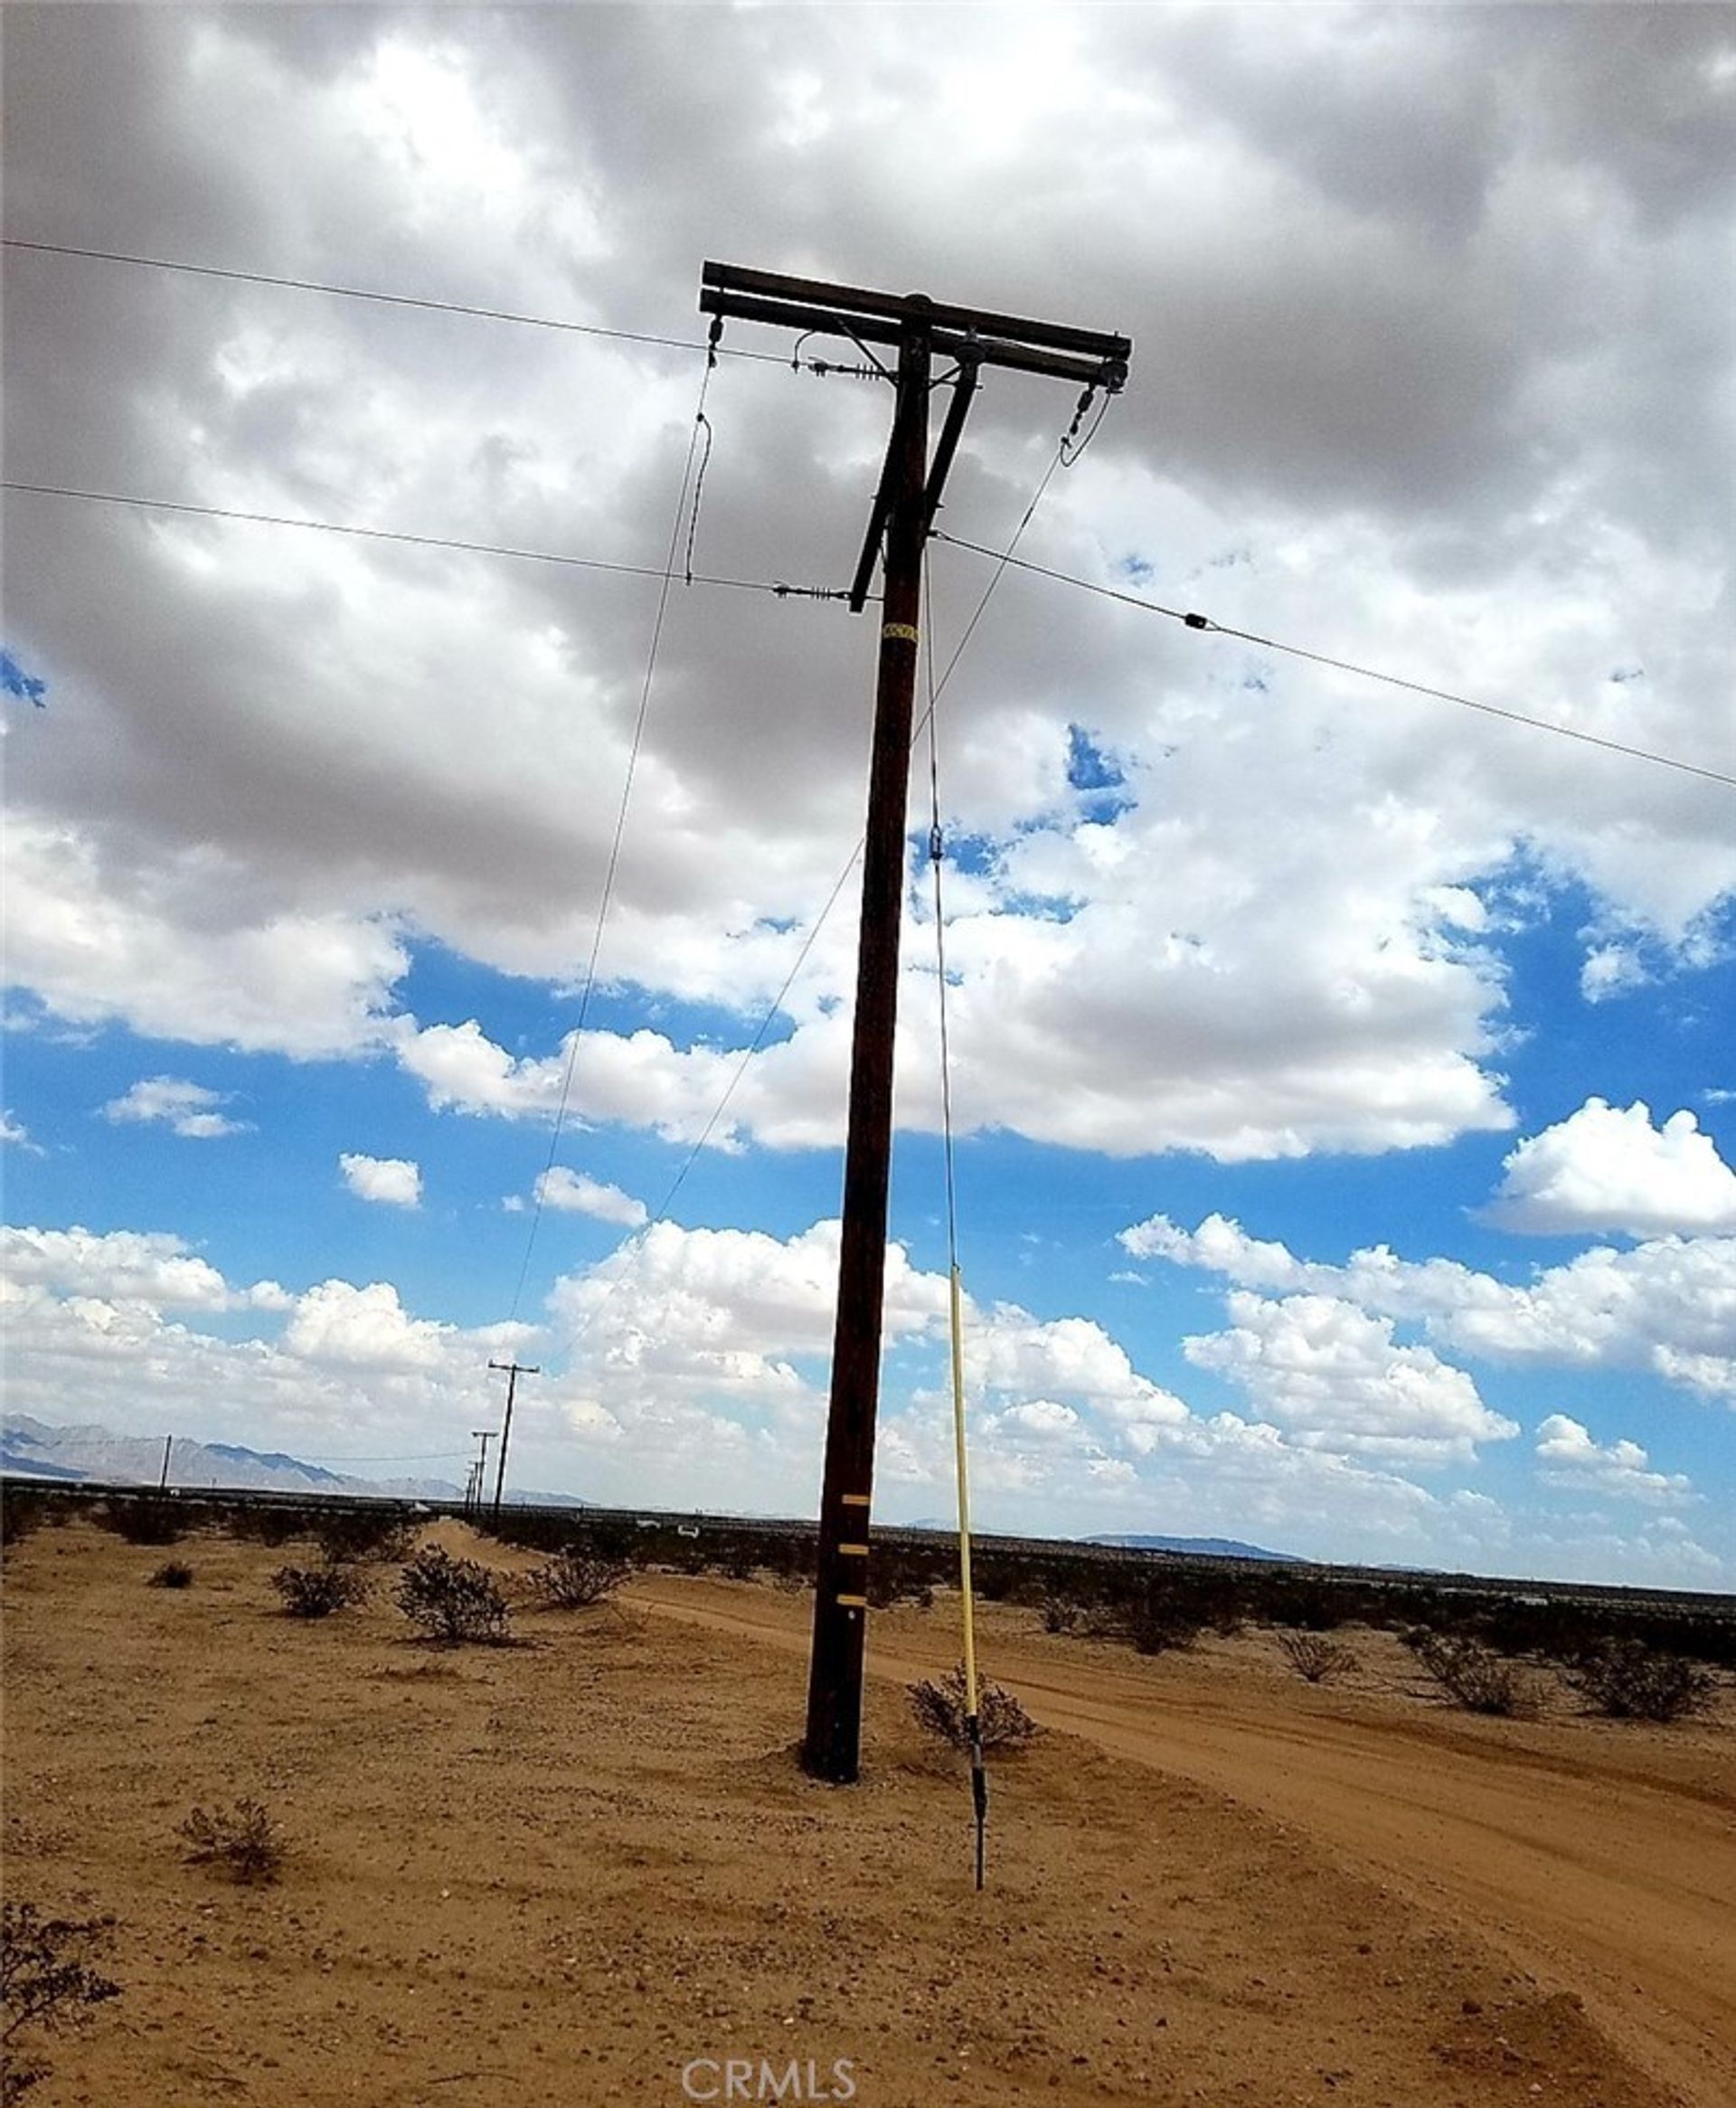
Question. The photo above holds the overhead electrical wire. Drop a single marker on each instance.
(259, 277)
(666, 572)
(426, 1457)
(1003, 560)
(1060, 458)
(1066, 456)
(688, 483)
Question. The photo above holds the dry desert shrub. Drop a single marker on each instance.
(1315, 1658)
(574, 1578)
(365, 1533)
(1158, 1627)
(315, 1592)
(46, 1981)
(267, 1524)
(1475, 1676)
(22, 1512)
(141, 1519)
(172, 1574)
(243, 1840)
(939, 1707)
(1628, 1680)
(454, 1601)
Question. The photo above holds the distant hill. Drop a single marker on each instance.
(1196, 1547)
(31, 1449)
(1200, 1547)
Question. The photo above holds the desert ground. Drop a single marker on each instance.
(586, 1868)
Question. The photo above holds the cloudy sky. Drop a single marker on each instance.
(1343, 1077)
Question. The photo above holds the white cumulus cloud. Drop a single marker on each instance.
(1566, 1456)
(346, 1326)
(186, 1108)
(1336, 1374)
(1668, 1306)
(150, 1267)
(577, 1193)
(1603, 1169)
(395, 1181)
(15, 1135)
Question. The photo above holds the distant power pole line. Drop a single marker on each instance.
(910, 489)
(168, 1445)
(511, 1371)
(479, 1467)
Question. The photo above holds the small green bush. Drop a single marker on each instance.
(454, 1601)
(315, 1592)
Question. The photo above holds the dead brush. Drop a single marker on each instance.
(46, 1981)
(1625, 1679)
(315, 1592)
(454, 1601)
(243, 1840)
(1475, 1676)
(1315, 1658)
(939, 1709)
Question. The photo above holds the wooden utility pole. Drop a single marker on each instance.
(168, 1445)
(479, 1468)
(922, 330)
(511, 1370)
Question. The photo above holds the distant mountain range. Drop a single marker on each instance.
(1200, 1547)
(31, 1449)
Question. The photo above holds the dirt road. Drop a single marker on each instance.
(1601, 1856)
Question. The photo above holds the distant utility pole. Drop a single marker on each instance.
(511, 1371)
(479, 1469)
(905, 502)
(168, 1444)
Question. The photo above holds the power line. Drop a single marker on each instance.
(1204, 623)
(428, 1456)
(259, 277)
(701, 423)
(213, 512)
(1062, 457)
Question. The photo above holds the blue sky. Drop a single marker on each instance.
(1347, 1112)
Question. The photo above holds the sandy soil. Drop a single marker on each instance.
(568, 1870)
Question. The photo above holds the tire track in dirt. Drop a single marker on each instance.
(1586, 1872)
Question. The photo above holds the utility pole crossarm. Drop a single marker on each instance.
(1001, 340)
